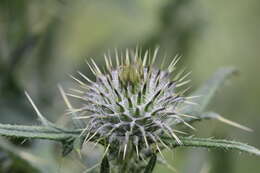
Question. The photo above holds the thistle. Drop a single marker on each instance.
(134, 109)
(132, 105)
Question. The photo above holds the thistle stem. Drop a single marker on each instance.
(36, 132)
(125, 163)
(212, 143)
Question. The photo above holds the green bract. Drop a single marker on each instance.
(132, 105)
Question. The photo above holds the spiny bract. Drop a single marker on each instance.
(131, 105)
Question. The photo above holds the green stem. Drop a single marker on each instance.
(125, 162)
(212, 143)
(36, 132)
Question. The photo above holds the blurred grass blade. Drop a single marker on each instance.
(208, 90)
(35, 132)
(213, 143)
(34, 160)
(19, 156)
(105, 168)
(151, 164)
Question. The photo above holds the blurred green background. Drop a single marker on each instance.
(41, 42)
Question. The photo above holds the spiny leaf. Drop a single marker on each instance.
(36, 132)
(151, 164)
(105, 168)
(208, 90)
(213, 143)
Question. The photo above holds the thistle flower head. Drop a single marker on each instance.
(132, 104)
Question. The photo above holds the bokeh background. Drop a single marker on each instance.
(41, 42)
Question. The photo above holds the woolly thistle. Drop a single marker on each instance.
(131, 105)
(132, 109)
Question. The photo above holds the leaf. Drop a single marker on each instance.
(105, 168)
(36, 132)
(212, 143)
(208, 90)
(67, 146)
(151, 164)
